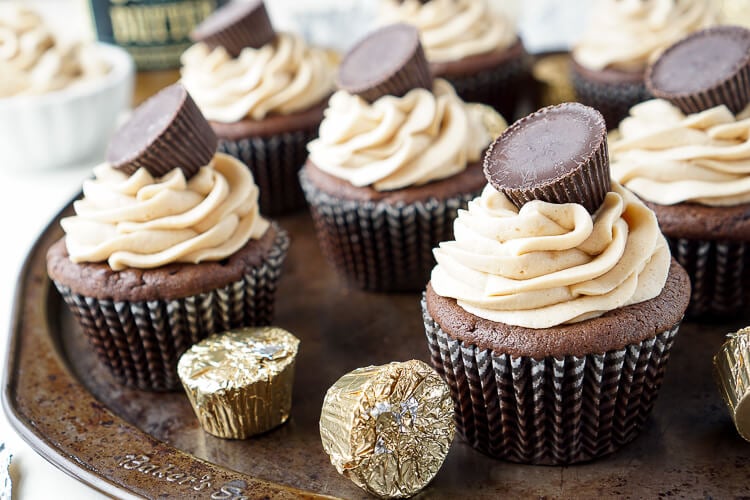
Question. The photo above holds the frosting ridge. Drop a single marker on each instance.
(551, 264)
(33, 61)
(143, 222)
(453, 29)
(281, 77)
(666, 157)
(629, 34)
(397, 142)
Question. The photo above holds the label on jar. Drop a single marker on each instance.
(155, 32)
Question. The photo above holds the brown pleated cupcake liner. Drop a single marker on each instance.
(141, 342)
(275, 163)
(719, 274)
(378, 246)
(549, 411)
(504, 87)
(612, 100)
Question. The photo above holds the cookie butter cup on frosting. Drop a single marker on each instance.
(688, 157)
(469, 44)
(551, 322)
(152, 263)
(385, 178)
(263, 93)
(622, 38)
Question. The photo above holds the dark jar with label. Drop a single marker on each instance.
(155, 32)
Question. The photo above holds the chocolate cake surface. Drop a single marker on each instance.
(614, 330)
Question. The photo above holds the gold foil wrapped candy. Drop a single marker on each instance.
(388, 428)
(732, 373)
(240, 382)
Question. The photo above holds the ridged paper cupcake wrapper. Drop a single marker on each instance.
(379, 246)
(734, 93)
(732, 374)
(502, 87)
(612, 100)
(275, 163)
(141, 342)
(549, 411)
(719, 273)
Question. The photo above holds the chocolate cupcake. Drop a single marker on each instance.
(686, 155)
(167, 245)
(552, 314)
(473, 47)
(263, 93)
(398, 156)
(610, 60)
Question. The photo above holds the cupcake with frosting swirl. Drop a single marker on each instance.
(475, 48)
(687, 155)
(557, 301)
(263, 93)
(623, 36)
(398, 154)
(167, 245)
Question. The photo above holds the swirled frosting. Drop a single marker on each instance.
(453, 29)
(629, 34)
(397, 142)
(281, 77)
(33, 61)
(548, 264)
(666, 157)
(141, 222)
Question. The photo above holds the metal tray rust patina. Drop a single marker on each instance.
(130, 443)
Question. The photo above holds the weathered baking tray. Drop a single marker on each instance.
(130, 443)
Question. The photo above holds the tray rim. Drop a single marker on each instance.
(43, 444)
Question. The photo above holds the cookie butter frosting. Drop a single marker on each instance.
(33, 61)
(629, 34)
(281, 77)
(453, 29)
(397, 142)
(666, 157)
(549, 264)
(142, 222)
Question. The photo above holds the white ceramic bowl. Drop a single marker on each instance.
(68, 126)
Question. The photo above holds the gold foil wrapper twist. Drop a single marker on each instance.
(388, 428)
(732, 373)
(240, 382)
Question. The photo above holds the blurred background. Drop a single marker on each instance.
(34, 196)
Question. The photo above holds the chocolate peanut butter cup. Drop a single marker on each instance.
(235, 26)
(704, 70)
(390, 61)
(167, 131)
(558, 155)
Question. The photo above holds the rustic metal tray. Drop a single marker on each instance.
(130, 443)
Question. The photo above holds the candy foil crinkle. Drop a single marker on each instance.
(240, 382)
(388, 428)
(732, 374)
